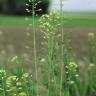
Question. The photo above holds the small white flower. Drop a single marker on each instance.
(77, 75)
(22, 94)
(14, 58)
(71, 82)
(27, 4)
(91, 34)
(25, 75)
(39, 9)
(18, 83)
(42, 60)
(91, 65)
(59, 35)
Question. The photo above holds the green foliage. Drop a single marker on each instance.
(12, 85)
(18, 83)
(64, 76)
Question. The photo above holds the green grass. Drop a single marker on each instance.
(8, 20)
(70, 19)
(79, 22)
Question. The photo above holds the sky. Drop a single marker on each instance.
(74, 5)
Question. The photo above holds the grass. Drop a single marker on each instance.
(15, 20)
(70, 19)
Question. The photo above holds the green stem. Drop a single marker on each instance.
(51, 46)
(4, 94)
(62, 47)
(35, 53)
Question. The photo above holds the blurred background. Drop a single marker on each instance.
(74, 5)
(16, 30)
(18, 7)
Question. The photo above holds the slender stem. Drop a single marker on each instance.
(62, 47)
(49, 62)
(52, 61)
(3, 87)
(35, 52)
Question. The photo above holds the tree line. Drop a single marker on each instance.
(18, 7)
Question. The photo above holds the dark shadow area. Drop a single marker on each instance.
(18, 7)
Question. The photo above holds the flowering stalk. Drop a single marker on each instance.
(62, 46)
(34, 36)
(49, 24)
(2, 82)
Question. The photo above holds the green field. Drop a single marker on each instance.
(8, 20)
(70, 19)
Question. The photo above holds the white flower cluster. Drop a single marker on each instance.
(13, 85)
(50, 22)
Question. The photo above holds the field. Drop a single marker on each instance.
(17, 39)
(14, 32)
(70, 19)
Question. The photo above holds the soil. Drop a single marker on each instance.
(18, 40)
